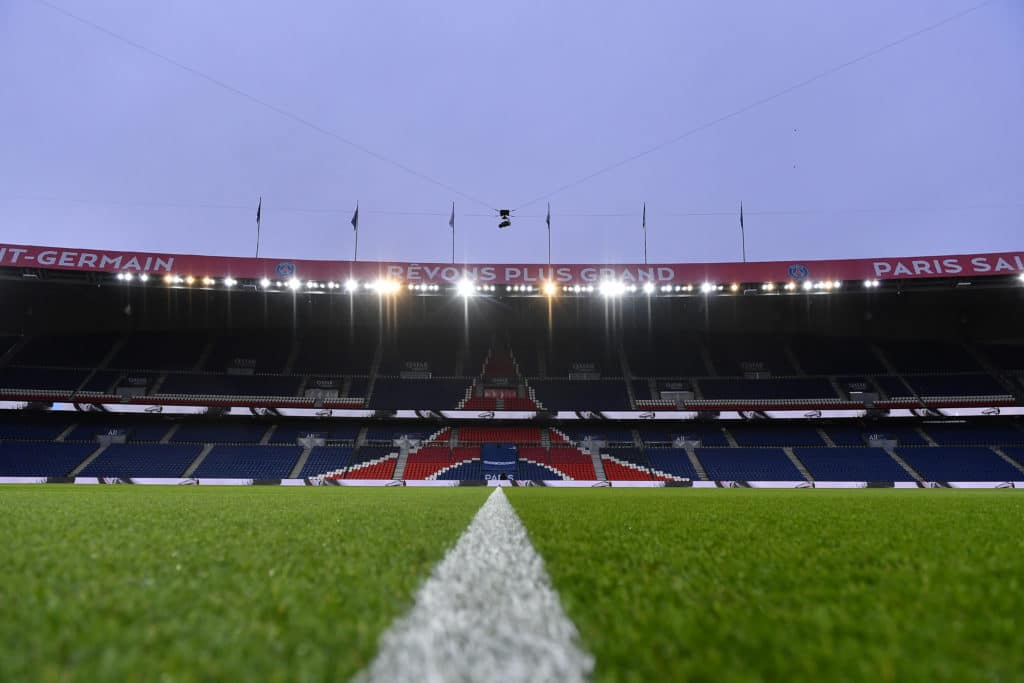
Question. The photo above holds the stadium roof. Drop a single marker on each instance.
(162, 264)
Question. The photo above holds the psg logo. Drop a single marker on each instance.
(285, 269)
(799, 271)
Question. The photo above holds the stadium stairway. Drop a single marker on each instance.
(85, 463)
(1002, 454)
(698, 467)
(300, 463)
(194, 465)
(788, 450)
(599, 470)
(905, 465)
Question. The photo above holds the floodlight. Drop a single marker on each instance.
(230, 282)
(734, 287)
(550, 288)
(707, 287)
(610, 288)
(264, 283)
(294, 283)
(808, 285)
(648, 288)
(189, 280)
(144, 277)
(351, 285)
(465, 288)
(168, 279)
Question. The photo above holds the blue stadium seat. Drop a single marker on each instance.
(248, 462)
(974, 435)
(289, 432)
(782, 435)
(747, 464)
(851, 464)
(142, 460)
(25, 428)
(323, 459)
(956, 385)
(672, 461)
(413, 394)
(39, 459)
(537, 472)
(467, 471)
(214, 431)
(964, 463)
(708, 434)
(582, 395)
(42, 379)
(790, 388)
(136, 431)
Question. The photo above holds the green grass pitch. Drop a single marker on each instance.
(806, 585)
(121, 583)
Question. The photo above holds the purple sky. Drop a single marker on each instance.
(917, 150)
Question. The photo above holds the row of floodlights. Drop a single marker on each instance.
(466, 288)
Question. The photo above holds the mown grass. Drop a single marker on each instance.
(788, 585)
(120, 583)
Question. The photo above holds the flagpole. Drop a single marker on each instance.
(259, 210)
(355, 227)
(452, 223)
(549, 237)
(645, 232)
(743, 234)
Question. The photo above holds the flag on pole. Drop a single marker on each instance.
(741, 215)
(548, 219)
(259, 213)
(451, 220)
(644, 222)
(355, 218)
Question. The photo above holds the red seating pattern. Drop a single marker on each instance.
(384, 469)
(620, 471)
(481, 403)
(528, 435)
(570, 461)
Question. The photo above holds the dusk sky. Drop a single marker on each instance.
(914, 150)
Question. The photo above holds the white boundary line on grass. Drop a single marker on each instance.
(488, 612)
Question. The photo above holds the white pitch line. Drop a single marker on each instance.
(488, 612)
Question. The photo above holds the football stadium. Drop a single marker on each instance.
(308, 439)
(728, 386)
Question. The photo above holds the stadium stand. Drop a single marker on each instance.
(248, 462)
(625, 464)
(706, 434)
(770, 388)
(417, 394)
(851, 464)
(142, 460)
(747, 464)
(581, 395)
(219, 431)
(41, 459)
(325, 459)
(519, 435)
(775, 435)
(673, 462)
(963, 463)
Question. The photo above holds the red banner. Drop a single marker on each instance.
(91, 260)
